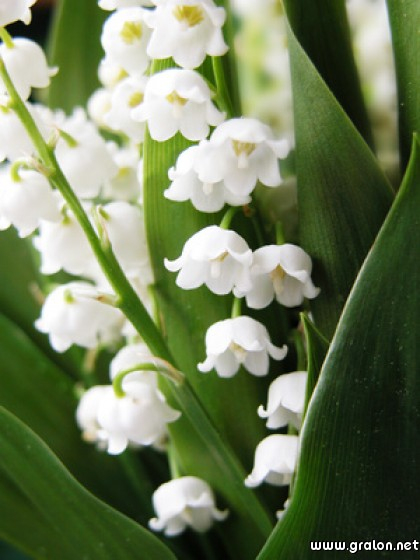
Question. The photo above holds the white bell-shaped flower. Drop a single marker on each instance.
(75, 313)
(14, 140)
(139, 418)
(14, 10)
(83, 156)
(127, 183)
(87, 413)
(26, 201)
(245, 152)
(241, 341)
(184, 502)
(110, 73)
(187, 31)
(27, 66)
(116, 4)
(98, 105)
(124, 225)
(124, 39)
(286, 400)
(186, 183)
(275, 461)
(126, 96)
(64, 246)
(216, 257)
(178, 100)
(282, 272)
(129, 357)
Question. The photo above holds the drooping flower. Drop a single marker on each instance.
(282, 272)
(275, 461)
(27, 66)
(127, 183)
(127, 95)
(129, 357)
(177, 100)
(186, 183)
(286, 400)
(14, 140)
(26, 201)
(64, 246)
(124, 39)
(14, 10)
(140, 417)
(239, 341)
(216, 257)
(124, 226)
(187, 31)
(75, 313)
(184, 502)
(83, 156)
(245, 151)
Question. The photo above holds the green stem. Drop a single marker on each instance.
(228, 217)
(159, 366)
(6, 38)
(236, 308)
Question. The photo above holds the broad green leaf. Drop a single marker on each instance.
(322, 29)
(343, 196)
(404, 18)
(42, 396)
(76, 524)
(358, 471)
(75, 48)
(230, 404)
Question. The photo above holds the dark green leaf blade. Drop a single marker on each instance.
(75, 48)
(343, 196)
(322, 29)
(317, 348)
(80, 525)
(358, 471)
(42, 396)
(404, 16)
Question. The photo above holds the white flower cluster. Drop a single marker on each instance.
(229, 159)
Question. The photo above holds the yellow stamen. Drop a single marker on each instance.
(176, 99)
(135, 99)
(191, 15)
(131, 32)
(243, 147)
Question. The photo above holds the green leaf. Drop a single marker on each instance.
(73, 522)
(404, 16)
(322, 29)
(42, 396)
(358, 471)
(75, 48)
(343, 196)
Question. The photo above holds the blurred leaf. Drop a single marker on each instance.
(72, 522)
(322, 29)
(342, 193)
(404, 16)
(75, 48)
(42, 396)
(358, 471)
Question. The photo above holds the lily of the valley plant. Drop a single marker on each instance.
(209, 327)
